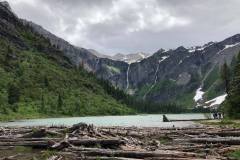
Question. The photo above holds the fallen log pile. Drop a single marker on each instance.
(83, 141)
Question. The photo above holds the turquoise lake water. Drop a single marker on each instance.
(148, 120)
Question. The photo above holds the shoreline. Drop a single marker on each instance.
(16, 118)
(143, 120)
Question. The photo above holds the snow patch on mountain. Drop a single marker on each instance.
(228, 46)
(194, 49)
(199, 48)
(163, 58)
(231, 45)
(199, 95)
(217, 101)
(180, 61)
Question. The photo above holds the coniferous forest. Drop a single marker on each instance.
(232, 104)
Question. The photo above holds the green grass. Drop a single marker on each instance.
(234, 154)
(165, 140)
(223, 123)
(47, 154)
(21, 149)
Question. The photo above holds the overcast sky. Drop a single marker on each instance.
(128, 26)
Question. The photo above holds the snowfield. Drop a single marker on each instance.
(163, 58)
(217, 101)
(199, 94)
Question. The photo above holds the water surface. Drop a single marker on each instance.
(148, 120)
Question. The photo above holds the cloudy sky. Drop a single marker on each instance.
(128, 26)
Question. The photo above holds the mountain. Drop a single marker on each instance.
(176, 75)
(76, 55)
(98, 54)
(45, 77)
(128, 58)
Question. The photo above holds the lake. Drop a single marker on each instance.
(148, 120)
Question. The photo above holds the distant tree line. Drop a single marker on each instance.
(147, 106)
(231, 106)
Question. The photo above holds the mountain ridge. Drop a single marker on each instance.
(182, 70)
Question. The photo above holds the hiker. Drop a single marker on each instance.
(215, 116)
(219, 115)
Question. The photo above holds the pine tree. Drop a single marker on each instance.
(13, 93)
(225, 76)
(60, 102)
(77, 108)
(13, 96)
(232, 103)
(9, 50)
(46, 82)
(8, 56)
(42, 107)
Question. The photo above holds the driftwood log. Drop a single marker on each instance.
(83, 141)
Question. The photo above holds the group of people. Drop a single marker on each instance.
(217, 115)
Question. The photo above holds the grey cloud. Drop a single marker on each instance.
(126, 26)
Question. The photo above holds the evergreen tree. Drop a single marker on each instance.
(60, 102)
(9, 50)
(232, 103)
(13, 96)
(13, 93)
(8, 56)
(42, 107)
(225, 76)
(46, 82)
(77, 108)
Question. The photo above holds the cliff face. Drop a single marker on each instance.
(172, 75)
(176, 74)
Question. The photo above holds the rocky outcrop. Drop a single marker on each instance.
(78, 56)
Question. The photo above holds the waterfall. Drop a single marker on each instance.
(207, 74)
(127, 75)
(155, 81)
(155, 75)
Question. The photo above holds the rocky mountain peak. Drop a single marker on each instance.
(6, 4)
(181, 48)
(6, 12)
(232, 40)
